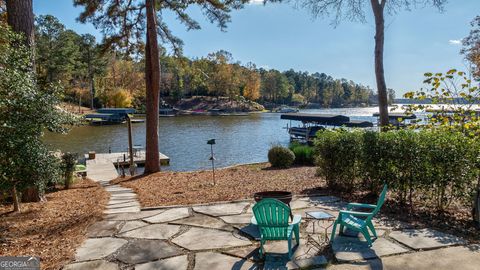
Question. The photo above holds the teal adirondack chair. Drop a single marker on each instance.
(272, 216)
(359, 221)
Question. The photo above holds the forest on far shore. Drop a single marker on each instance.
(96, 76)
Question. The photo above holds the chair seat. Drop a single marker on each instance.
(352, 221)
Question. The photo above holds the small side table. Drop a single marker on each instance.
(320, 217)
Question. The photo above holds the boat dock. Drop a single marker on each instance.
(103, 166)
(312, 123)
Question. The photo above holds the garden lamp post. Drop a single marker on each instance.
(211, 142)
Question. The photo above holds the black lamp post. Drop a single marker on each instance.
(212, 158)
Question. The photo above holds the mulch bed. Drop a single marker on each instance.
(234, 183)
(52, 230)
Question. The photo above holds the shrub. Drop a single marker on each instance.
(280, 157)
(440, 166)
(337, 152)
(303, 153)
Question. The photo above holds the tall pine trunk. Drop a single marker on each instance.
(21, 19)
(378, 9)
(16, 199)
(152, 78)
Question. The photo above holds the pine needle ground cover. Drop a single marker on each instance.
(233, 183)
(54, 229)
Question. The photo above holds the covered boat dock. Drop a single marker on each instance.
(315, 122)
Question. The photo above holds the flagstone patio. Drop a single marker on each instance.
(219, 236)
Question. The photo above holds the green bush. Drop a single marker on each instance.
(280, 157)
(303, 153)
(438, 166)
(337, 157)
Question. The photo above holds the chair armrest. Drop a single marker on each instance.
(355, 213)
(360, 205)
(253, 220)
(296, 219)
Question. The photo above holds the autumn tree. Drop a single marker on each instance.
(252, 83)
(471, 47)
(222, 78)
(124, 24)
(356, 11)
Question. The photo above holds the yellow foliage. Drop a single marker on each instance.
(252, 86)
(120, 99)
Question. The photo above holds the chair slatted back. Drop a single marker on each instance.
(272, 218)
(381, 200)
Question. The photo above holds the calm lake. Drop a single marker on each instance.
(239, 139)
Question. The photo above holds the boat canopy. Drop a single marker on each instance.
(123, 111)
(322, 119)
(103, 116)
(326, 119)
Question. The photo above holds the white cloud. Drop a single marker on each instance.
(256, 2)
(455, 41)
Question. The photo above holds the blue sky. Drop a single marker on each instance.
(281, 37)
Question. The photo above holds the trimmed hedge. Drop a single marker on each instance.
(439, 166)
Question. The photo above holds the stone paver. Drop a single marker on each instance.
(131, 225)
(278, 263)
(322, 200)
(130, 240)
(314, 261)
(200, 239)
(222, 209)
(203, 221)
(169, 215)
(92, 265)
(462, 257)
(104, 228)
(303, 255)
(98, 248)
(142, 251)
(299, 204)
(250, 230)
(217, 261)
(121, 201)
(238, 219)
(134, 216)
(425, 238)
(124, 204)
(123, 196)
(175, 263)
(155, 231)
(352, 249)
(249, 252)
(132, 209)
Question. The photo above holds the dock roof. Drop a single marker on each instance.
(324, 119)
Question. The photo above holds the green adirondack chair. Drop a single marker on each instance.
(359, 221)
(272, 216)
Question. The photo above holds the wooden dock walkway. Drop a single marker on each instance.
(102, 168)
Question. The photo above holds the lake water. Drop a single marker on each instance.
(239, 139)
